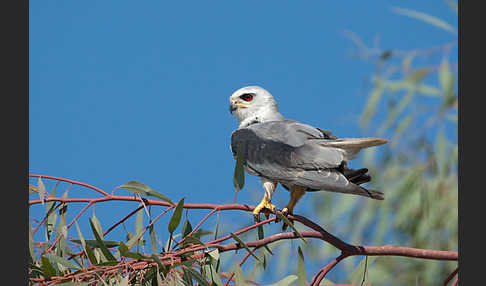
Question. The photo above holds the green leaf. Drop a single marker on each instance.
(239, 277)
(162, 267)
(33, 189)
(395, 112)
(61, 260)
(42, 190)
(62, 230)
(372, 103)
(97, 225)
(186, 228)
(153, 239)
(360, 273)
(215, 277)
(96, 244)
(51, 220)
(301, 268)
(286, 221)
(197, 276)
(47, 267)
(261, 235)
(201, 232)
(103, 248)
(124, 251)
(176, 217)
(139, 227)
(142, 189)
(417, 75)
(31, 245)
(426, 18)
(239, 175)
(235, 237)
(447, 83)
(187, 277)
(91, 255)
(400, 129)
(194, 240)
(286, 281)
(441, 151)
(453, 5)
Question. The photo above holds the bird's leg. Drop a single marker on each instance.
(296, 192)
(266, 202)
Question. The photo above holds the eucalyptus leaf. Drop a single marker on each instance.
(142, 189)
(176, 216)
(285, 281)
(239, 175)
(103, 248)
(426, 18)
(197, 276)
(61, 260)
(47, 269)
(242, 243)
(239, 277)
(153, 239)
(96, 244)
(286, 221)
(301, 268)
(31, 245)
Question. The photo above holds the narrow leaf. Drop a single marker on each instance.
(176, 217)
(42, 190)
(235, 237)
(153, 239)
(139, 227)
(61, 260)
(301, 268)
(103, 248)
(286, 281)
(239, 277)
(142, 189)
(47, 267)
(197, 276)
(372, 103)
(239, 175)
(91, 255)
(96, 244)
(186, 228)
(426, 18)
(31, 245)
(261, 235)
(286, 221)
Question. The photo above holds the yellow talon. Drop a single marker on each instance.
(264, 204)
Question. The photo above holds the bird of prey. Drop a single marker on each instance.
(300, 157)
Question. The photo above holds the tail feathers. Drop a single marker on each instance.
(373, 194)
(335, 181)
(352, 146)
(359, 143)
(357, 177)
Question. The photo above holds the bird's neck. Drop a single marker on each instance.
(260, 117)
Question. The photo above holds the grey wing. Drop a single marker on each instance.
(297, 154)
(281, 150)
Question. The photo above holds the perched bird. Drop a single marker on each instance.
(300, 157)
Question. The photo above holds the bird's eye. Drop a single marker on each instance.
(246, 96)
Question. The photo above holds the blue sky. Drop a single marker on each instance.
(124, 90)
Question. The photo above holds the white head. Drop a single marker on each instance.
(252, 104)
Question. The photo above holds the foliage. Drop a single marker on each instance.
(413, 103)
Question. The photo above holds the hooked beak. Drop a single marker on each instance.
(234, 106)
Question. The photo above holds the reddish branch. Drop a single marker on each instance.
(173, 257)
